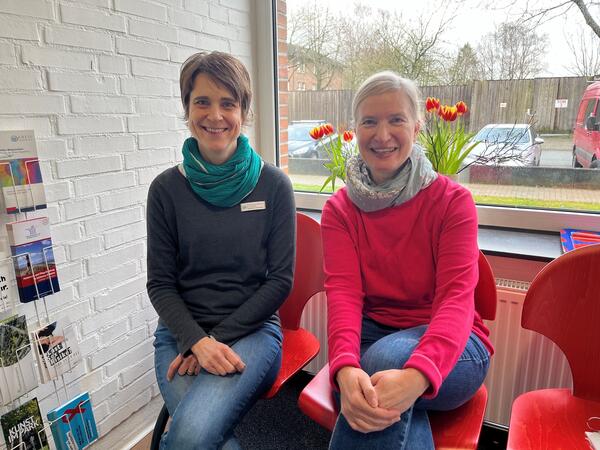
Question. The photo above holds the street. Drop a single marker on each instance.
(557, 151)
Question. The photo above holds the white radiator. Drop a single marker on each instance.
(314, 319)
(523, 360)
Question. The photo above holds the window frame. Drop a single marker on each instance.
(267, 59)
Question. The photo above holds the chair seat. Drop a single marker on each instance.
(456, 429)
(459, 428)
(299, 348)
(550, 418)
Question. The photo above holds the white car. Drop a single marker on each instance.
(506, 144)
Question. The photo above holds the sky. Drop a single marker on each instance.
(474, 21)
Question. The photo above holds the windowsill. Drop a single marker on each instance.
(522, 244)
(509, 243)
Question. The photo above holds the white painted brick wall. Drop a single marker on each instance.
(21, 103)
(44, 56)
(74, 167)
(112, 64)
(153, 31)
(70, 82)
(98, 82)
(75, 37)
(126, 234)
(101, 145)
(128, 46)
(20, 79)
(101, 105)
(17, 29)
(92, 18)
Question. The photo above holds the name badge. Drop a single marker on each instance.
(253, 206)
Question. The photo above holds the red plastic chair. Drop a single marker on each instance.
(456, 429)
(299, 345)
(563, 304)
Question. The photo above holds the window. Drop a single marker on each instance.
(301, 86)
(590, 111)
(544, 192)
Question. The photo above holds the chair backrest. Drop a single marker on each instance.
(563, 304)
(485, 291)
(308, 273)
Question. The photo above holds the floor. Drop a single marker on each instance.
(278, 424)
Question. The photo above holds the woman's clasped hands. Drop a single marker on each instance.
(374, 403)
(208, 354)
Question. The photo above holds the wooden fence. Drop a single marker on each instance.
(503, 101)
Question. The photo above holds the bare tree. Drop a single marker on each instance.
(357, 44)
(464, 67)
(540, 12)
(314, 42)
(386, 41)
(513, 51)
(586, 54)
(589, 11)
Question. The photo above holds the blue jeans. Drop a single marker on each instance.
(384, 348)
(206, 408)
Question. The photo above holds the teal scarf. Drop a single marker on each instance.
(225, 184)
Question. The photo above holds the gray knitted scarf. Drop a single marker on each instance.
(415, 174)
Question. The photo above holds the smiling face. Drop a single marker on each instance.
(386, 130)
(214, 119)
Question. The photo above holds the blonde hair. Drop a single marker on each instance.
(388, 81)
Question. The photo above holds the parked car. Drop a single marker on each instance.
(506, 144)
(301, 145)
(586, 134)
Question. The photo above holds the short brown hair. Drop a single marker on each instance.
(224, 69)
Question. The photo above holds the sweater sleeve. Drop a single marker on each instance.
(453, 303)
(162, 271)
(281, 243)
(343, 284)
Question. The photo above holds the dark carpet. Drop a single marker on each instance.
(278, 424)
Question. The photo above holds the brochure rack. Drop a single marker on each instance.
(23, 193)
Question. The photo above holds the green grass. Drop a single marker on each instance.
(533, 203)
(315, 188)
(491, 200)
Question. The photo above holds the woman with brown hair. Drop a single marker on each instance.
(221, 234)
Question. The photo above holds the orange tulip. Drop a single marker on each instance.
(348, 135)
(442, 111)
(432, 104)
(451, 113)
(328, 129)
(448, 113)
(316, 133)
(461, 108)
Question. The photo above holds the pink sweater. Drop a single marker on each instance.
(404, 266)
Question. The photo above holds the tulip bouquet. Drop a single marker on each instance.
(339, 148)
(444, 138)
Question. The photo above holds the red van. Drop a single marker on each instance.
(586, 135)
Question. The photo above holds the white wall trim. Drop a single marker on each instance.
(266, 93)
(527, 219)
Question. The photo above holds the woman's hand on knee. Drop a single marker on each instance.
(399, 389)
(183, 366)
(360, 403)
(217, 358)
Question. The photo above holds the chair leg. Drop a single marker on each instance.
(159, 428)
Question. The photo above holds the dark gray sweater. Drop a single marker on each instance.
(218, 271)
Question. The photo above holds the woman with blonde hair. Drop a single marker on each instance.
(400, 255)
